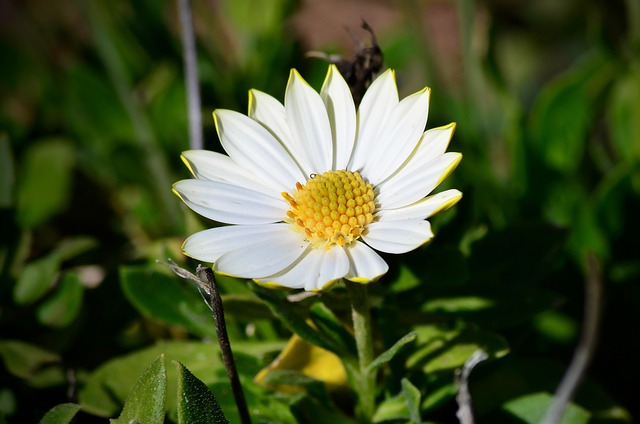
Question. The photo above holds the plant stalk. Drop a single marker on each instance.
(191, 74)
(206, 275)
(365, 379)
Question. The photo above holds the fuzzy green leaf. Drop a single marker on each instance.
(411, 396)
(105, 390)
(24, 360)
(326, 321)
(446, 349)
(530, 409)
(45, 181)
(564, 112)
(61, 414)
(35, 280)
(146, 402)
(196, 403)
(63, 306)
(388, 354)
(72, 247)
(624, 113)
(37, 276)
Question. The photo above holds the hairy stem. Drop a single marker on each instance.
(365, 379)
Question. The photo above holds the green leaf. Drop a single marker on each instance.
(61, 414)
(146, 402)
(315, 388)
(624, 115)
(392, 409)
(72, 247)
(557, 327)
(105, 390)
(157, 295)
(388, 354)
(404, 406)
(318, 411)
(263, 405)
(326, 322)
(587, 235)
(411, 396)
(563, 114)
(7, 403)
(63, 306)
(246, 307)
(531, 409)
(196, 403)
(406, 280)
(283, 309)
(35, 280)
(447, 349)
(440, 389)
(7, 173)
(289, 377)
(487, 307)
(45, 182)
(533, 376)
(24, 360)
(37, 276)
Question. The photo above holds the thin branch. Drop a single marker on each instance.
(206, 281)
(587, 345)
(206, 274)
(465, 411)
(191, 74)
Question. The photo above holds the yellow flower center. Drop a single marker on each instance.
(332, 208)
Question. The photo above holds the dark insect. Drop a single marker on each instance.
(361, 70)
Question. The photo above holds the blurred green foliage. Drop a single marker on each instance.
(92, 123)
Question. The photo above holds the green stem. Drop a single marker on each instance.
(156, 165)
(365, 380)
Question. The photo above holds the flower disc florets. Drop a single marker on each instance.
(332, 208)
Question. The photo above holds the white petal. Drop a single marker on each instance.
(230, 203)
(265, 256)
(399, 137)
(270, 113)
(214, 166)
(209, 245)
(313, 271)
(434, 143)
(342, 116)
(424, 208)
(376, 106)
(411, 184)
(309, 122)
(398, 236)
(365, 264)
(252, 147)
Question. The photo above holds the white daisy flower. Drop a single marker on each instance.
(312, 188)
